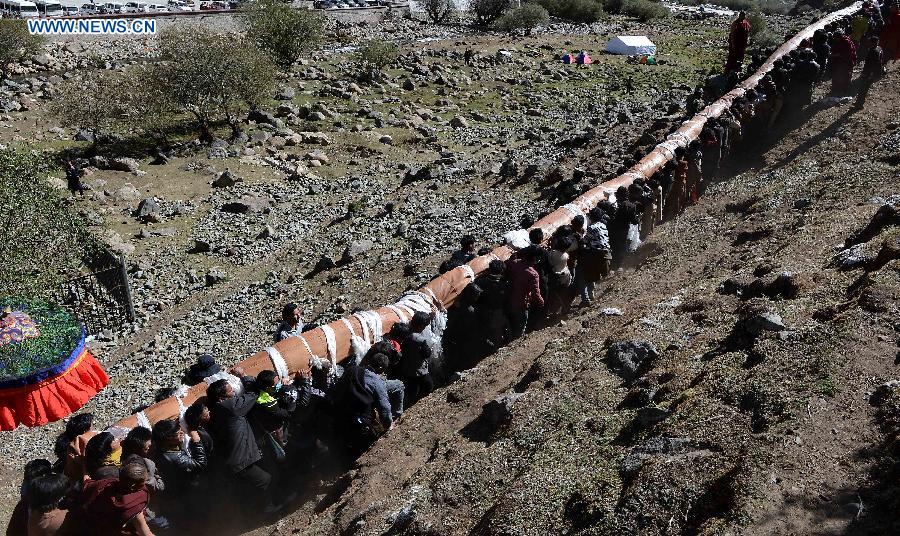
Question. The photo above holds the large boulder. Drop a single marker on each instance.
(225, 179)
(630, 359)
(247, 205)
(356, 250)
(266, 118)
(124, 164)
(147, 210)
(285, 94)
(126, 193)
(761, 321)
(214, 276)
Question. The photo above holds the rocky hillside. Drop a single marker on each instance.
(745, 388)
(341, 194)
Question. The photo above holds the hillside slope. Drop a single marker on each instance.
(754, 417)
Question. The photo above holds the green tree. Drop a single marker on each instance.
(93, 101)
(210, 76)
(16, 43)
(525, 18)
(438, 10)
(645, 10)
(487, 11)
(583, 11)
(283, 32)
(43, 241)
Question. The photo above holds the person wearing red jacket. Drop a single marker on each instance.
(890, 35)
(525, 290)
(737, 43)
(843, 59)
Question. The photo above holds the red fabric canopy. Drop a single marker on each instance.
(54, 398)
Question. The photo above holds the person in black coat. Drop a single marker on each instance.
(626, 215)
(179, 469)
(492, 305)
(464, 339)
(236, 447)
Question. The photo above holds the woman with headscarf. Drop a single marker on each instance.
(102, 457)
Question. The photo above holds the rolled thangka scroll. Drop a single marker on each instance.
(334, 342)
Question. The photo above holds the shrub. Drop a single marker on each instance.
(42, 240)
(765, 40)
(16, 43)
(487, 11)
(524, 18)
(738, 5)
(208, 75)
(644, 10)
(758, 24)
(613, 6)
(438, 10)
(281, 31)
(583, 11)
(774, 7)
(377, 54)
(92, 101)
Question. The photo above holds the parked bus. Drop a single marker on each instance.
(18, 9)
(47, 8)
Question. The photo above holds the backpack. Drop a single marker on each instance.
(593, 241)
(352, 397)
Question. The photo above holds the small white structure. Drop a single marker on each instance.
(631, 45)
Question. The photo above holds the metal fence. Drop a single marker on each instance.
(101, 298)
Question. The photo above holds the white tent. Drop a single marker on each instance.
(631, 45)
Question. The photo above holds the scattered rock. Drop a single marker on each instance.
(200, 246)
(214, 275)
(459, 122)
(225, 179)
(357, 249)
(123, 164)
(147, 209)
(763, 321)
(887, 215)
(126, 193)
(630, 359)
(267, 232)
(325, 263)
(84, 135)
(647, 416)
(884, 392)
(247, 205)
(286, 94)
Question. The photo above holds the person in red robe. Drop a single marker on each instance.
(843, 59)
(737, 43)
(890, 35)
(115, 506)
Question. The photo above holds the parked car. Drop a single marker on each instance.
(175, 5)
(71, 11)
(111, 8)
(135, 7)
(157, 8)
(90, 9)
